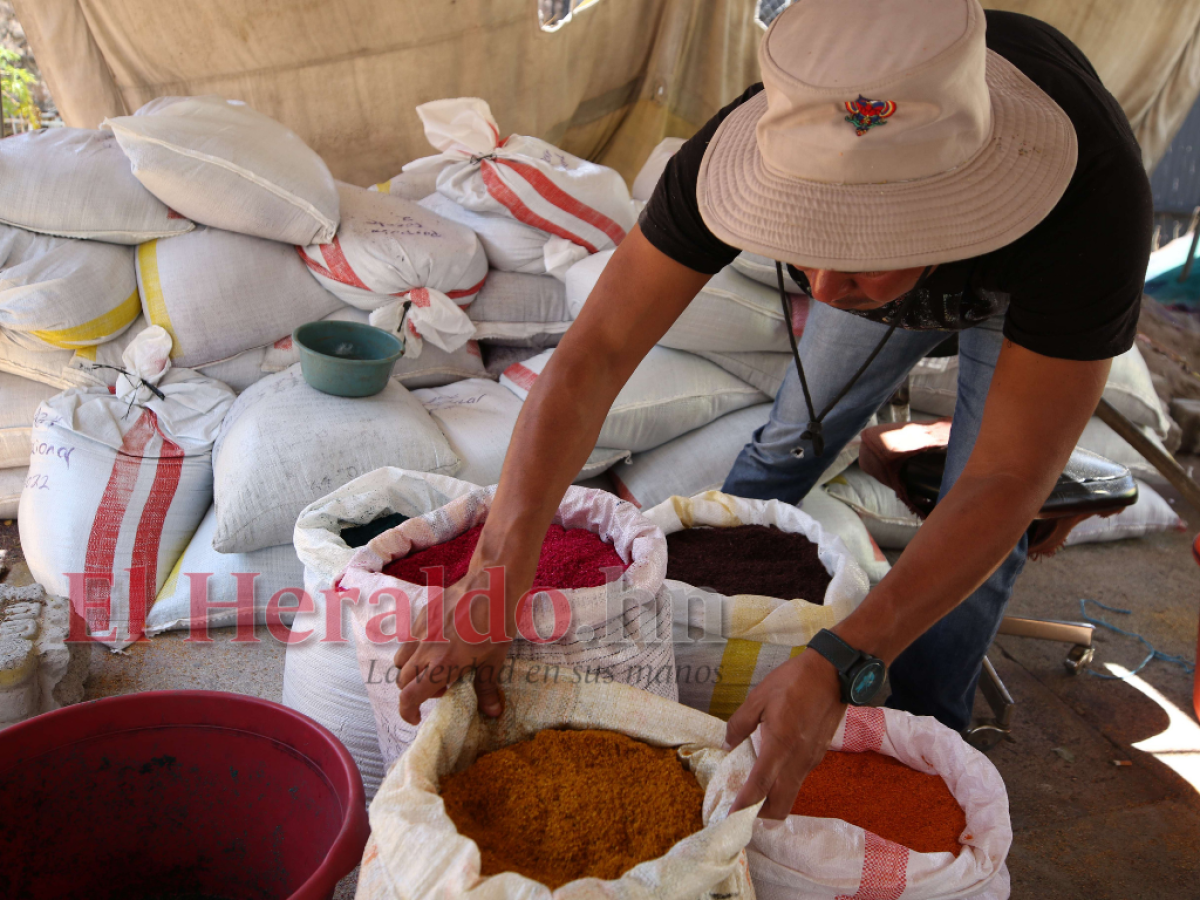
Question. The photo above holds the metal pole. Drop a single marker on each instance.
(1159, 458)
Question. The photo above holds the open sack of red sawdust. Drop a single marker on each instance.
(417, 851)
(810, 858)
(727, 640)
(616, 629)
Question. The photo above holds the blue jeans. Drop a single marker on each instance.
(937, 675)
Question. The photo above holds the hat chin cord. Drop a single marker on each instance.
(813, 431)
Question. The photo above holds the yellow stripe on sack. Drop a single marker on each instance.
(97, 330)
(88, 353)
(796, 651)
(738, 663)
(168, 588)
(152, 295)
(384, 187)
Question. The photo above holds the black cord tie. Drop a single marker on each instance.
(147, 385)
(814, 430)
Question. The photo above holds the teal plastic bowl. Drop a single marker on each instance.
(346, 359)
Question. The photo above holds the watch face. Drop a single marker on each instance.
(867, 682)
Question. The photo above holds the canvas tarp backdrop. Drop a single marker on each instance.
(608, 85)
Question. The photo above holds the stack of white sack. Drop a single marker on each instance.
(321, 677)
(535, 208)
(285, 444)
(619, 631)
(118, 482)
(19, 402)
(410, 268)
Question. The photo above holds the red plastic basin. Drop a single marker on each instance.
(177, 794)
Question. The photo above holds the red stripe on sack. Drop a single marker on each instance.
(110, 514)
(171, 214)
(473, 349)
(419, 297)
(339, 266)
(284, 343)
(865, 728)
(505, 195)
(453, 295)
(564, 201)
(884, 871)
(314, 265)
(149, 531)
(879, 557)
(622, 491)
(522, 376)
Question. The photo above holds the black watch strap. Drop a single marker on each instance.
(834, 649)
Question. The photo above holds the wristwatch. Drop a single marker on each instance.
(860, 674)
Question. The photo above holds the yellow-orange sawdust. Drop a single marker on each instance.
(574, 804)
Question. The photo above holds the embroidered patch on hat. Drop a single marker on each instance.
(866, 114)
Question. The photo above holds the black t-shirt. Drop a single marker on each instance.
(1070, 288)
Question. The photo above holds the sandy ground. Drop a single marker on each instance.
(1083, 827)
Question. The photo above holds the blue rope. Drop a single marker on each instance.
(1152, 655)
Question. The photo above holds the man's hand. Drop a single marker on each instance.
(799, 707)
(428, 668)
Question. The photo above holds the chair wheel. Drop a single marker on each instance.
(985, 736)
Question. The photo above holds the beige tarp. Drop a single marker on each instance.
(622, 74)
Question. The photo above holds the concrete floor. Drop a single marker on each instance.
(1083, 827)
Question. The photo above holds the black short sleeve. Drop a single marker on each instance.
(671, 220)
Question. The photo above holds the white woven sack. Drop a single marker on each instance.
(75, 182)
(222, 164)
(218, 293)
(19, 401)
(12, 482)
(765, 371)
(889, 521)
(47, 366)
(433, 368)
(620, 631)
(933, 388)
(669, 394)
(730, 313)
(59, 293)
(119, 482)
(477, 417)
(652, 169)
(415, 185)
(1099, 437)
(806, 858)
(320, 675)
(523, 178)
(101, 364)
(761, 269)
(227, 588)
(838, 518)
(690, 464)
(511, 245)
(520, 310)
(416, 851)
(285, 444)
(1151, 514)
(745, 637)
(385, 246)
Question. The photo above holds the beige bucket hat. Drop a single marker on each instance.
(887, 136)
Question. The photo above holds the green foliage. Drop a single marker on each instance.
(15, 83)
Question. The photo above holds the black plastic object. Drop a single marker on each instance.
(357, 535)
(1089, 484)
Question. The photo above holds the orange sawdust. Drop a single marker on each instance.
(884, 796)
(574, 804)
